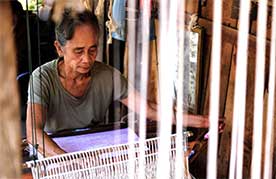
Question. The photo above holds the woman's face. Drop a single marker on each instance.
(81, 51)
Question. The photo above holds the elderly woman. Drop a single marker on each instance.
(75, 91)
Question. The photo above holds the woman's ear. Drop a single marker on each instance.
(59, 48)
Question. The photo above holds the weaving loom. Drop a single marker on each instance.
(105, 162)
(235, 69)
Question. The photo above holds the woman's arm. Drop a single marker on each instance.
(51, 148)
(189, 120)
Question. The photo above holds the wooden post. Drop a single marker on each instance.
(9, 100)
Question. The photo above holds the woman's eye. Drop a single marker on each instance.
(78, 52)
(92, 51)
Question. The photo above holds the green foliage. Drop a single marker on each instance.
(32, 4)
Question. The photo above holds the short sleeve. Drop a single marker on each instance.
(38, 90)
(120, 85)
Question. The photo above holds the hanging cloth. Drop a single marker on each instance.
(118, 15)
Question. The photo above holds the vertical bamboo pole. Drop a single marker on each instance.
(9, 103)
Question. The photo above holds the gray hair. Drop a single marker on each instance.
(70, 20)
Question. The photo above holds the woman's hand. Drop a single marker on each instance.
(201, 121)
(197, 121)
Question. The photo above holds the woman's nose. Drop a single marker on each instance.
(86, 57)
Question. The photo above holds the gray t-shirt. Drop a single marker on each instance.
(64, 111)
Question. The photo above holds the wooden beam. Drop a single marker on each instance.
(9, 100)
(231, 34)
(228, 62)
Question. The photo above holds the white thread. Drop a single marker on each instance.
(270, 107)
(259, 91)
(214, 92)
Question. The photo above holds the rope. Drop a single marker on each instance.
(193, 22)
(100, 8)
(88, 4)
(110, 24)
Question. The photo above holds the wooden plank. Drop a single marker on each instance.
(225, 146)
(248, 135)
(253, 27)
(9, 103)
(269, 2)
(153, 75)
(249, 113)
(226, 78)
(226, 58)
(235, 9)
(225, 141)
(207, 12)
(229, 36)
(192, 6)
(227, 14)
(228, 40)
(274, 137)
(205, 72)
(225, 68)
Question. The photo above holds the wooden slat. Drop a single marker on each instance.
(229, 39)
(225, 143)
(229, 36)
(9, 101)
(235, 9)
(205, 72)
(226, 56)
(153, 75)
(207, 12)
(253, 28)
(192, 6)
(274, 149)
(249, 111)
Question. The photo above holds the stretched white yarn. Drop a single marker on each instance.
(107, 162)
